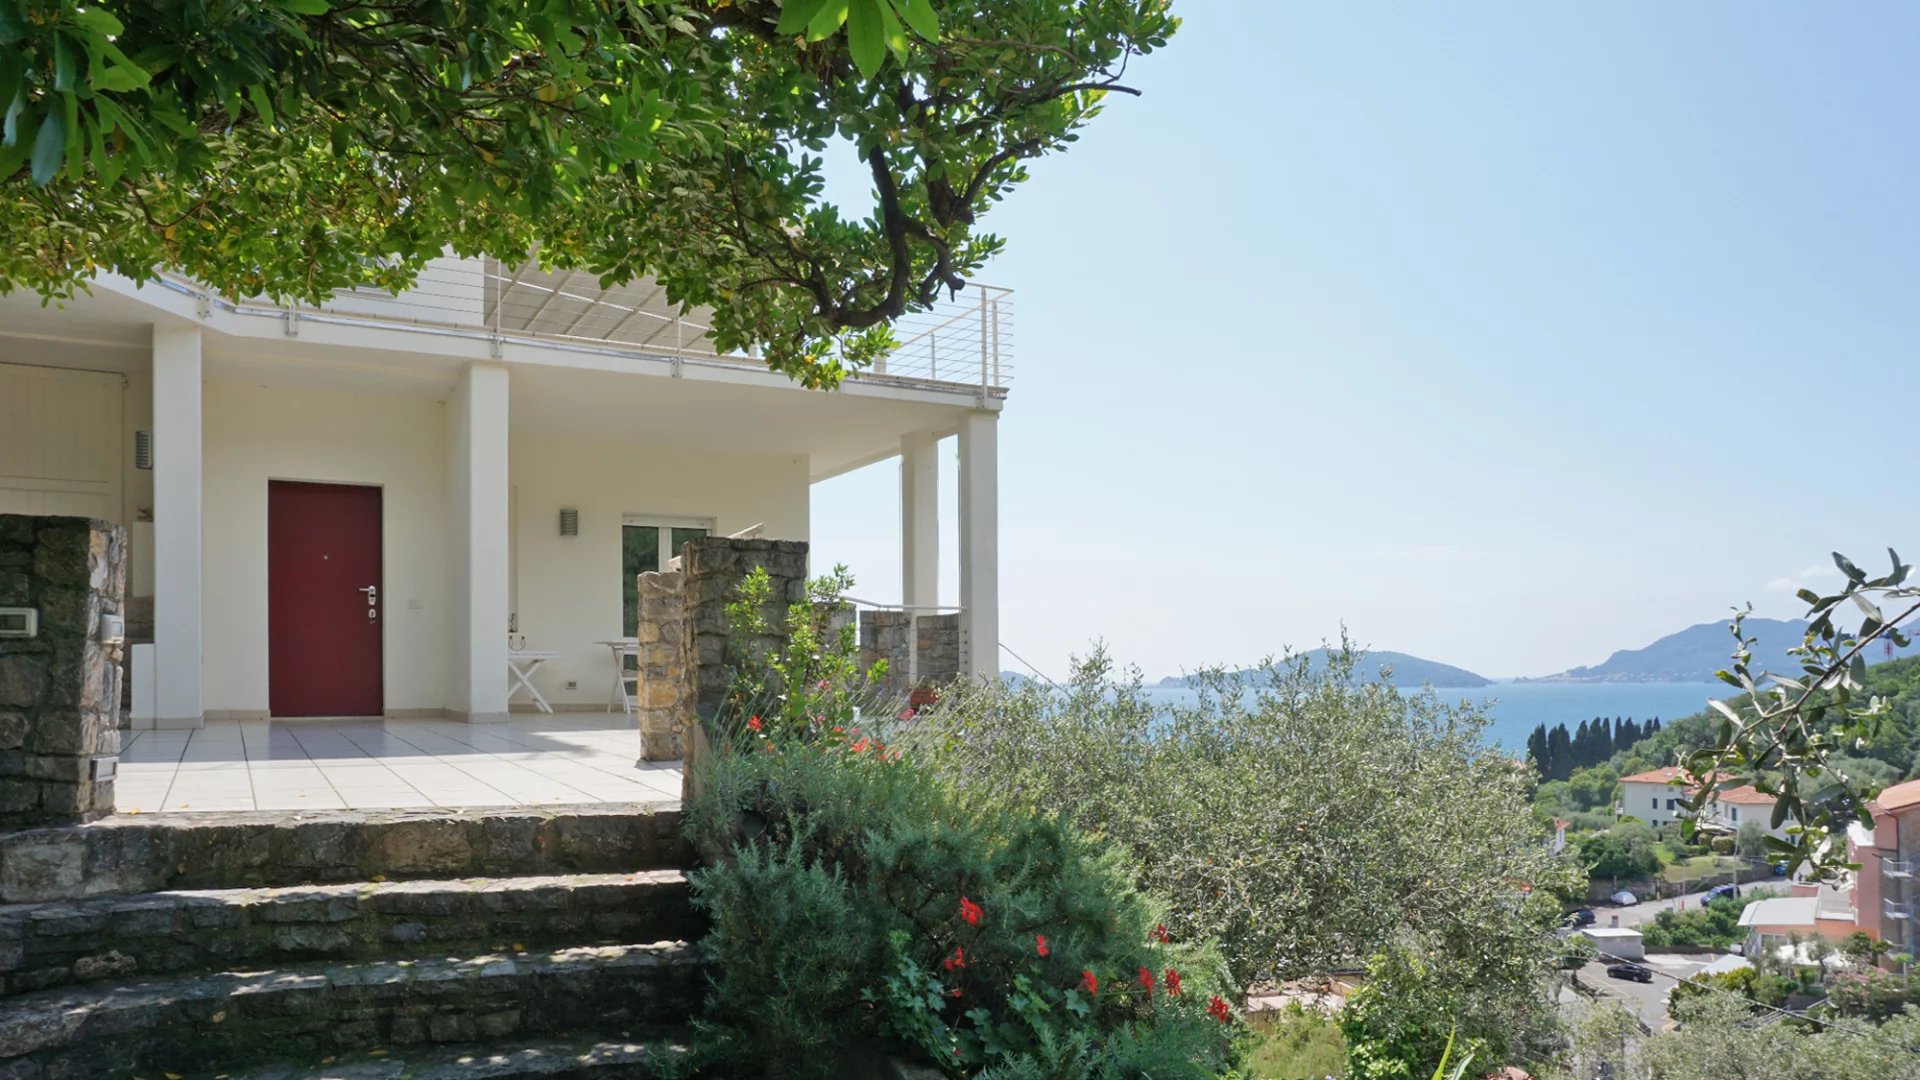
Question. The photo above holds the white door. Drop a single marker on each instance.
(60, 441)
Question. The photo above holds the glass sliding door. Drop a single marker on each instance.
(647, 544)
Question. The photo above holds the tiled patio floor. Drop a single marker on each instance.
(370, 763)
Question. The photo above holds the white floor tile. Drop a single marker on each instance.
(370, 763)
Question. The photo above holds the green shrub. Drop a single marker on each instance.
(1294, 1044)
(1301, 816)
(859, 906)
(841, 916)
(1713, 925)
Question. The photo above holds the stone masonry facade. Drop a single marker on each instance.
(922, 651)
(60, 689)
(714, 567)
(687, 650)
(664, 693)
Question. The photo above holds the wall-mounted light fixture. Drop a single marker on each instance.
(143, 449)
(569, 521)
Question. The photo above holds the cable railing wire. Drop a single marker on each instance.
(967, 340)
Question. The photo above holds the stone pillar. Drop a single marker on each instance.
(477, 487)
(664, 704)
(714, 567)
(936, 649)
(60, 689)
(920, 652)
(178, 644)
(888, 635)
(919, 521)
(980, 542)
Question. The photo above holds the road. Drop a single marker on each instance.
(1644, 911)
(1645, 1000)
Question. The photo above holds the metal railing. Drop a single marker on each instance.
(1897, 868)
(962, 341)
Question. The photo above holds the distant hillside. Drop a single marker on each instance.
(1694, 654)
(1407, 671)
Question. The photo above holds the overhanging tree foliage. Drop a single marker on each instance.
(294, 147)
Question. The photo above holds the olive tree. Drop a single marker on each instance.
(1307, 818)
(1791, 731)
(295, 147)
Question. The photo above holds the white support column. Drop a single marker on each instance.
(178, 647)
(919, 521)
(980, 542)
(477, 488)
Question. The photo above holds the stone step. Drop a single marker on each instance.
(251, 849)
(585, 1058)
(309, 1012)
(118, 938)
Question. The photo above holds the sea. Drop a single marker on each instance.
(1515, 708)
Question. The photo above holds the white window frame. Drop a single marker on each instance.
(666, 525)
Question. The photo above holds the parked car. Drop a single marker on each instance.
(1579, 917)
(1719, 891)
(1624, 898)
(1780, 868)
(1625, 970)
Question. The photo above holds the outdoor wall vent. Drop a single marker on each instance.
(143, 449)
(569, 522)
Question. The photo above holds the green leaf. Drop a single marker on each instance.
(13, 27)
(864, 37)
(890, 30)
(919, 15)
(257, 93)
(98, 20)
(829, 18)
(63, 65)
(796, 14)
(49, 146)
(119, 80)
(14, 155)
(305, 7)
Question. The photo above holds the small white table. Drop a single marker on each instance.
(623, 648)
(521, 666)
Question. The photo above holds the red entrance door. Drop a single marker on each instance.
(323, 599)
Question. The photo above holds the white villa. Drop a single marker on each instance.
(1658, 797)
(360, 509)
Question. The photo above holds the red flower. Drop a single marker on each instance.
(1145, 979)
(836, 730)
(753, 724)
(1160, 933)
(1040, 944)
(1173, 981)
(954, 993)
(955, 962)
(1088, 983)
(1218, 1009)
(969, 912)
(859, 747)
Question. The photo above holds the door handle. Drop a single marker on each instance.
(373, 594)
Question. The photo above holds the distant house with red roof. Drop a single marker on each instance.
(1658, 797)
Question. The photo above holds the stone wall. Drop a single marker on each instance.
(60, 690)
(664, 695)
(919, 652)
(714, 567)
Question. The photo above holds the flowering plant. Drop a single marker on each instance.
(1011, 1005)
(796, 672)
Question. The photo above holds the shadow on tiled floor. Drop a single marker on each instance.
(371, 763)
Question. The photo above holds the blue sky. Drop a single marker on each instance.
(1507, 335)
